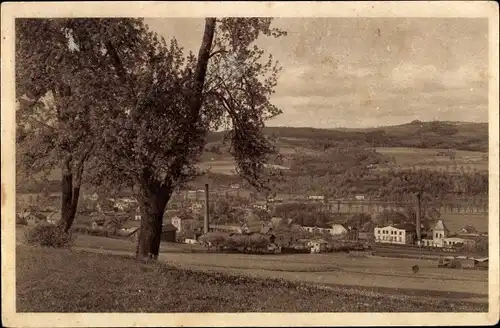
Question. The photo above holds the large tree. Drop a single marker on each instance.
(152, 141)
(64, 79)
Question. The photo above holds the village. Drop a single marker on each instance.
(121, 219)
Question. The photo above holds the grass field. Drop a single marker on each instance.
(390, 276)
(454, 222)
(407, 157)
(51, 280)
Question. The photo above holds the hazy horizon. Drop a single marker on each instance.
(369, 72)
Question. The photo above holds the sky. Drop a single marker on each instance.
(368, 72)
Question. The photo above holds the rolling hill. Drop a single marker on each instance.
(433, 135)
(409, 144)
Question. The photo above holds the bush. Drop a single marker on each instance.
(21, 220)
(49, 235)
(215, 239)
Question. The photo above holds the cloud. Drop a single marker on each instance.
(379, 106)
(311, 80)
(370, 71)
(464, 76)
(408, 75)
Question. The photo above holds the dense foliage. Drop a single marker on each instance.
(49, 235)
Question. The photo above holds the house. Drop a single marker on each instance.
(338, 229)
(168, 233)
(130, 226)
(439, 233)
(54, 217)
(481, 263)
(318, 229)
(333, 229)
(91, 197)
(285, 239)
(196, 207)
(262, 205)
(457, 241)
(253, 227)
(468, 230)
(318, 245)
(176, 222)
(316, 197)
(98, 223)
(190, 241)
(441, 238)
(351, 234)
(137, 216)
(225, 228)
(276, 221)
(34, 218)
(395, 234)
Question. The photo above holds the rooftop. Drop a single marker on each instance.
(405, 226)
(440, 225)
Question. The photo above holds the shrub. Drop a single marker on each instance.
(21, 220)
(49, 235)
(216, 239)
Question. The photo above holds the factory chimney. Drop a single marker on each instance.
(419, 218)
(206, 223)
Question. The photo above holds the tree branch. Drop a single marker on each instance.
(120, 70)
(217, 52)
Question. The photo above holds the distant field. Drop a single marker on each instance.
(455, 222)
(406, 157)
(427, 158)
(224, 166)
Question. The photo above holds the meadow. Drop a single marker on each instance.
(408, 157)
(61, 280)
(456, 221)
(391, 277)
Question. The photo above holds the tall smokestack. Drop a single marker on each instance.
(205, 225)
(419, 213)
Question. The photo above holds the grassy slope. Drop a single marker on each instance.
(393, 276)
(51, 280)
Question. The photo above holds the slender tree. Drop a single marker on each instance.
(154, 133)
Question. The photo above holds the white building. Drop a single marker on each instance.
(137, 216)
(334, 229)
(316, 197)
(439, 234)
(317, 246)
(395, 234)
(441, 238)
(316, 229)
(338, 229)
(176, 222)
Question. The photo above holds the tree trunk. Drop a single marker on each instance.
(152, 203)
(70, 187)
(67, 192)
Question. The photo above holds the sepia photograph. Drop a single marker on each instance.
(249, 164)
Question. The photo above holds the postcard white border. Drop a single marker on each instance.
(202, 9)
